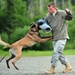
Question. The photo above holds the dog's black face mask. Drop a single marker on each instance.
(36, 25)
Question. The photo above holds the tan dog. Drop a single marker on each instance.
(29, 40)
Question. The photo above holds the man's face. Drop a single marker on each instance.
(51, 9)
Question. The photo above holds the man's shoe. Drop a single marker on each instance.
(51, 70)
(68, 68)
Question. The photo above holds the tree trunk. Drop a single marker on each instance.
(62, 4)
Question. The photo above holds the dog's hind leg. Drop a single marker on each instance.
(7, 61)
(15, 59)
(18, 56)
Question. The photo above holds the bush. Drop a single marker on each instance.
(18, 34)
(4, 37)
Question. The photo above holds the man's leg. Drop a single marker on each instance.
(63, 59)
(57, 54)
(55, 57)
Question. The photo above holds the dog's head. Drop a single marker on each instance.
(35, 27)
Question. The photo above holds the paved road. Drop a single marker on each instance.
(35, 66)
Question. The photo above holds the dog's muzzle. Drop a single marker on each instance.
(44, 26)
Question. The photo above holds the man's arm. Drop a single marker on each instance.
(69, 15)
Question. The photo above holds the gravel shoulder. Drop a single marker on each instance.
(35, 66)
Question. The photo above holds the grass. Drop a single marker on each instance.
(46, 53)
(39, 53)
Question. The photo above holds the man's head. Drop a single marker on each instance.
(52, 7)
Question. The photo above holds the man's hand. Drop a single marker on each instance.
(67, 10)
(69, 14)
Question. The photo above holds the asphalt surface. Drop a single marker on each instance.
(35, 66)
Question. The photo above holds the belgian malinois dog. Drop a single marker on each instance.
(30, 39)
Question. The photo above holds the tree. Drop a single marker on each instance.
(12, 15)
(9, 16)
(2, 15)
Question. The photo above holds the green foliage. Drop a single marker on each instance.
(4, 37)
(18, 34)
(17, 15)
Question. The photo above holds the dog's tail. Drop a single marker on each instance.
(4, 43)
(3, 57)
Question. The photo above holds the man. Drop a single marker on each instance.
(57, 20)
